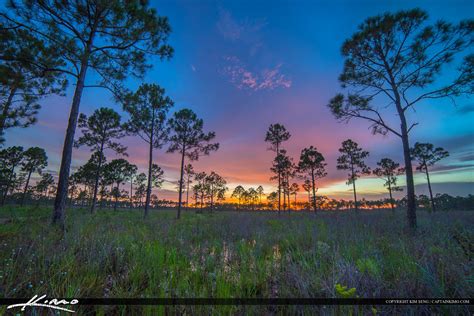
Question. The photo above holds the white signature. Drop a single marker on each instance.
(53, 304)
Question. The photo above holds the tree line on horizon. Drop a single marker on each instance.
(16, 188)
(118, 182)
(391, 62)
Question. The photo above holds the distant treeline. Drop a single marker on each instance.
(83, 199)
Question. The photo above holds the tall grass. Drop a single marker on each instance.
(232, 254)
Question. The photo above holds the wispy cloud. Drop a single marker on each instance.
(227, 26)
(273, 78)
(243, 78)
(249, 67)
(466, 157)
(452, 167)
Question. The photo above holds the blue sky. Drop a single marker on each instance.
(242, 65)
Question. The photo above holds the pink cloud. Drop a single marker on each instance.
(243, 78)
(272, 78)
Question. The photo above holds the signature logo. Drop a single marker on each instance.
(39, 301)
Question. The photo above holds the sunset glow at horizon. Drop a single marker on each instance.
(242, 66)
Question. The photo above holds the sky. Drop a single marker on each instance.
(243, 65)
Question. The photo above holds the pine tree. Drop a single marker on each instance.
(99, 132)
(188, 138)
(111, 38)
(352, 159)
(392, 64)
(34, 160)
(312, 164)
(276, 135)
(148, 108)
(426, 156)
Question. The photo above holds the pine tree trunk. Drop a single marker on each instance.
(283, 204)
(187, 194)
(97, 176)
(148, 188)
(150, 165)
(212, 199)
(279, 193)
(314, 191)
(288, 193)
(429, 189)
(353, 185)
(26, 187)
(61, 194)
(279, 183)
(411, 203)
(131, 192)
(116, 197)
(178, 215)
(355, 195)
(391, 198)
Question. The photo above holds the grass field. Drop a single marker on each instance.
(231, 254)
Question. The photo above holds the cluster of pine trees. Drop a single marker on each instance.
(94, 44)
(391, 65)
(312, 166)
(16, 168)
